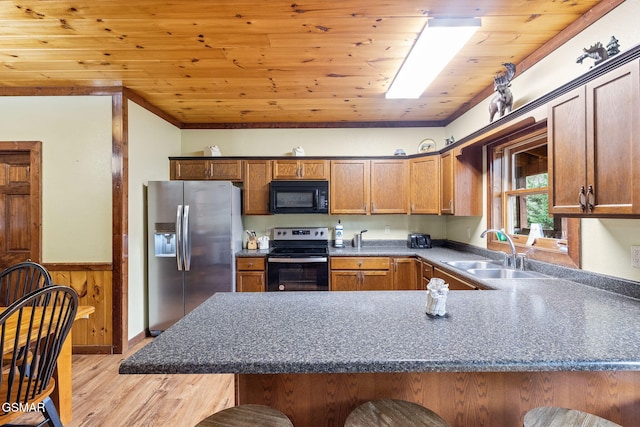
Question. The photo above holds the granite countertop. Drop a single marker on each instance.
(545, 324)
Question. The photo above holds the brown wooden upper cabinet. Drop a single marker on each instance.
(369, 187)
(594, 146)
(257, 176)
(425, 185)
(389, 186)
(461, 182)
(206, 169)
(349, 191)
(308, 169)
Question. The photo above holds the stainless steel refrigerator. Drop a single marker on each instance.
(194, 229)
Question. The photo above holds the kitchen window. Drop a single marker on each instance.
(519, 203)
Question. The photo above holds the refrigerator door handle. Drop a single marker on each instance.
(179, 237)
(186, 239)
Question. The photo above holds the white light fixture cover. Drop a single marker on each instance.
(439, 42)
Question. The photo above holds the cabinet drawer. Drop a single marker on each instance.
(256, 264)
(359, 263)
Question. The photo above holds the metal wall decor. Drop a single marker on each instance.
(502, 101)
(598, 52)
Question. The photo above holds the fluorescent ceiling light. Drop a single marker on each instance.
(439, 42)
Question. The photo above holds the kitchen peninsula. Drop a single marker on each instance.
(498, 353)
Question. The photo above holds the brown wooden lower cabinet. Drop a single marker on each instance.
(361, 274)
(463, 399)
(250, 274)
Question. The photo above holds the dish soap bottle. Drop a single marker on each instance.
(338, 242)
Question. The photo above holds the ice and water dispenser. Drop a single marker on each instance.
(165, 239)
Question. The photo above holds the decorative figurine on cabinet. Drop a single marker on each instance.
(502, 101)
(600, 53)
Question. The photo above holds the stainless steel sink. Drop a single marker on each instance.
(501, 273)
(473, 264)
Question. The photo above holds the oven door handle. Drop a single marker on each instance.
(297, 260)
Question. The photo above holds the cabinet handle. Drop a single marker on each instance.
(582, 199)
(451, 205)
(590, 198)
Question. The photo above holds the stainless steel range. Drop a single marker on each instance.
(299, 259)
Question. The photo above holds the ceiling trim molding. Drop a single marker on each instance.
(60, 91)
(282, 125)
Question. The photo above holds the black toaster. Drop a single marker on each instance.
(419, 240)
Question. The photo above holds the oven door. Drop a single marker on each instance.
(297, 273)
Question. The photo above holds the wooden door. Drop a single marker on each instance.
(425, 185)
(447, 183)
(250, 281)
(613, 142)
(349, 192)
(404, 274)
(567, 152)
(189, 169)
(257, 176)
(375, 280)
(20, 202)
(389, 187)
(314, 169)
(286, 169)
(225, 170)
(345, 280)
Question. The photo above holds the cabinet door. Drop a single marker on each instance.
(389, 187)
(567, 152)
(375, 280)
(225, 170)
(286, 169)
(425, 185)
(257, 176)
(314, 169)
(189, 169)
(613, 142)
(345, 280)
(250, 281)
(349, 192)
(404, 274)
(446, 183)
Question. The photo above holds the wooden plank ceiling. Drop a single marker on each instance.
(246, 62)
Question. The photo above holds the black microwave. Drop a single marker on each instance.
(299, 197)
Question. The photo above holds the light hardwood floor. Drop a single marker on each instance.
(102, 397)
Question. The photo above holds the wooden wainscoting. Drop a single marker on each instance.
(93, 283)
(463, 399)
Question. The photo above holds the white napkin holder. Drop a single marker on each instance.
(437, 291)
(212, 151)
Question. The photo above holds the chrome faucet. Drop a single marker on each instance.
(511, 259)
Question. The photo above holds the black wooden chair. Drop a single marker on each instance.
(40, 322)
(21, 279)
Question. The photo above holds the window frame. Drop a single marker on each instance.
(496, 215)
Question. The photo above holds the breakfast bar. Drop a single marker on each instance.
(496, 354)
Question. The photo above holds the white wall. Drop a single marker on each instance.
(316, 142)
(151, 141)
(76, 170)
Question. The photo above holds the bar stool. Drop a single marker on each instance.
(393, 413)
(551, 416)
(247, 416)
